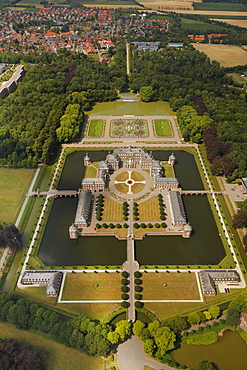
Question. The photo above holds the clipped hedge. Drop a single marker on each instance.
(204, 338)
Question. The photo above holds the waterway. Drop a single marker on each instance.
(120, 108)
(228, 353)
(204, 247)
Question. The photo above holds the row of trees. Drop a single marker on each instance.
(70, 123)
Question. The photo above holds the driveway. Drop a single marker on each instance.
(130, 355)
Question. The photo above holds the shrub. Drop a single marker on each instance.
(118, 226)
(139, 304)
(126, 226)
(138, 288)
(125, 281)
(125, 218)
(125, 296)
(164, 225)
(138, 274)
(125, 274)
(136, 225)
(143, 225)
(125, 304)
(157, 225)
(124, 289)
(204, 338)
(150, 225)
(98, 226)
(138, 281)
(162, 217)
(136, 218)
(138, 296)
(105, 226)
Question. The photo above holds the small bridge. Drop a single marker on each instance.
(200, 192)
(56, 193)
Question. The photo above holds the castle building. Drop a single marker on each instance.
(177, 208)
(83, 214)
(171, 159)
(210, 277)
(51, 279)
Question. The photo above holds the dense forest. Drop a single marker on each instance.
(188, 79)
(48, 105)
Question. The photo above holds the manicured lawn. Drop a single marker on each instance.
(149, 210)
(168, 171)
(122, 176)
(14, 184)
(92, 286)
(60, 357)
(226, 55)
(113, 211)
(98, 311)
(37, 293)
(136, 176)
(170, 309)
(96, 127)
(163, 128)
(91, 171)
(178, 286)
(123, 188)
(136, 188)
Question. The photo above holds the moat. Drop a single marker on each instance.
(202, 248)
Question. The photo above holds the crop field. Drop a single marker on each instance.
(96, 128)
(231, 7)
(169, 286)
(198, 25)
(92, 286)
(226, 55)
(113, 211)
(59, 356)
(163, 127)
(13, 186)
(168, 4)
(234, 22)
(103, 2)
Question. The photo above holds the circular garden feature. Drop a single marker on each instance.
(129, 182)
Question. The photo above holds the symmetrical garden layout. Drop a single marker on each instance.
(130, 195)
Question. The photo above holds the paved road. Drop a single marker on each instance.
(130, 355)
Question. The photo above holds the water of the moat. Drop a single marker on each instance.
(228, 353)
(137, 108)
(203, 247)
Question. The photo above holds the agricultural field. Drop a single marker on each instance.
(230, 7)
(96, 128)
(105, 3)
(113, 211)
(14, 184)
(169, 286)
(199, 26)
(226, 55)
(168, 4)
(92, 286)
(234, 22)
(163, 128)
(59, 356)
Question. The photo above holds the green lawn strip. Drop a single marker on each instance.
(96, 128)
(163, 128)
(44, 178)
(90, 172)
(60, 357)
(92, 286)
(96, 311)
(169, 286)
(14, 185)
(168, 170)
(199, 26)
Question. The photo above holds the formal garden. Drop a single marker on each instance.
(129, 128)
(162, 128)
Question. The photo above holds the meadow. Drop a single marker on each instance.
(13, 186)
(96, 127)
(221, 7)
(60, 357)
(226, 55)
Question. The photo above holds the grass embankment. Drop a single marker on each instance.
(226, 55)
(113, 211)
(96, 128)
(14, 184)
(98, 311)
(149, 211)
(60, 357)
(168, 170)
(92, 286)
(169, 286)
(163, 128)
